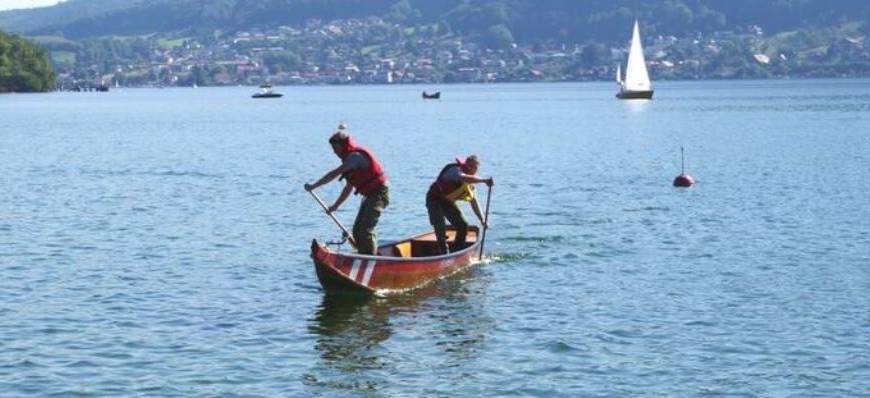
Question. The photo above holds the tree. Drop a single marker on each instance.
(403, 12)
(24, 67)
(498, 36)
(593, 55)
(676, 13)
(284, 61)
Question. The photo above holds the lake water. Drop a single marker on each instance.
(156, 243)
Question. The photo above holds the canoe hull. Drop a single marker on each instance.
(355, 273)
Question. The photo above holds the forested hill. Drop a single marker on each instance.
(527, 20)
(24, 67)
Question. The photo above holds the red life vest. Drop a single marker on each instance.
(364, 180)
(451, 190)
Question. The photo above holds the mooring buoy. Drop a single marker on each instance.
(683, 180)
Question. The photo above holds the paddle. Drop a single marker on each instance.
(326, 209)
(486, 221)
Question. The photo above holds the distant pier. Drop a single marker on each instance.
(83, 88)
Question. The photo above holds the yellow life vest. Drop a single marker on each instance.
(464, 192)
(451, 190)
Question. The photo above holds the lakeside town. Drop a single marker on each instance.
(374, 51)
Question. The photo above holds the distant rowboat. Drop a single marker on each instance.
(399, 266)
(435, 95)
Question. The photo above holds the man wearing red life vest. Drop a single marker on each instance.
(364, 174)
(454, 184)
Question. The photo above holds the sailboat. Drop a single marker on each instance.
(636, 84)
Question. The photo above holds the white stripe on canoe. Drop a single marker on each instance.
(354, 269)
(368, 274)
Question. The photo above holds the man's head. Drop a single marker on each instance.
(339, 142)
(470, 165)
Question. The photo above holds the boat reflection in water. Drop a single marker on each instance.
(352, 333)
(347, 328)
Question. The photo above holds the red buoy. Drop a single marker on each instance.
(683, 180)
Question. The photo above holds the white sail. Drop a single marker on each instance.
(619, 73)
(636, 76)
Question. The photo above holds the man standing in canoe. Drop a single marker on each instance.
(454, 184)
(364, 174)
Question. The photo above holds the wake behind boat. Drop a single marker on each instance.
(636, 84)
(399, 266)
(266, 92)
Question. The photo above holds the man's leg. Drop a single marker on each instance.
(457, 220)
(436, 218)
(367, 220)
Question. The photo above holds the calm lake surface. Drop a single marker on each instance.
(156, 243)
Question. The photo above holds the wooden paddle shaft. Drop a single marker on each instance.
(485, 221)
(326, 209)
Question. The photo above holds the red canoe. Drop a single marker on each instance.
(399, 266)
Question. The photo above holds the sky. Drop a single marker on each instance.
(13, 4)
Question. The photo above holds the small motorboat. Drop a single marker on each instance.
(399, 266)
(266, 92)
(435, 95)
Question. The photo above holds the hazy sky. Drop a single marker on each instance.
(12, 4)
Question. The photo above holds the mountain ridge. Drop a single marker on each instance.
(526, 20)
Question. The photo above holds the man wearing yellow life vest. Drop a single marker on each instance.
(454, 183)
(365, 175)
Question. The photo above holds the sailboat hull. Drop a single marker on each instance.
(635, 94)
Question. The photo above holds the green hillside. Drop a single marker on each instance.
(227, 42)
(526, 20)
(24, 67)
